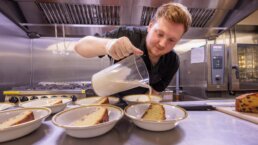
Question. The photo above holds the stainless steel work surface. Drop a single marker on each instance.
(200, 128)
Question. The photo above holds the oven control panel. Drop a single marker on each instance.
(217, 63)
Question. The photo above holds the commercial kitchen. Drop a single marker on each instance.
(218, 62)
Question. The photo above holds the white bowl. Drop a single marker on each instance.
(6, 105)
(22, 129)
(141, 98)
(64, 119)
(174, 115)
(92, 100)
(44, 103)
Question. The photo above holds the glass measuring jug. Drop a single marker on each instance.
(126, 74)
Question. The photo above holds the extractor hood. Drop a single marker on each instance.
(77, 18)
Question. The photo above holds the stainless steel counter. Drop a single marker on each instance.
(200, 128)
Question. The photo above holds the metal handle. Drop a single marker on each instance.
(237, 70)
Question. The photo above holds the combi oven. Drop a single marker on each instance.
(243, 67)
(218, 70)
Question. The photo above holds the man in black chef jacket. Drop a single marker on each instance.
(154, 44)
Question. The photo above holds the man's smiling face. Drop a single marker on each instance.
(162, 36)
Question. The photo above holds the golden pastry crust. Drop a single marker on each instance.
(55, 101)
(26, 118)
(18, 119)
(247, 103)
(155, 112)
(100, 115)
(102, 100)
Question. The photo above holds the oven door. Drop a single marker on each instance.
(244, 67)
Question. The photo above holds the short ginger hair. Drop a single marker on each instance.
(174, 12)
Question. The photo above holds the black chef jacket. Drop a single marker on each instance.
(160, 74)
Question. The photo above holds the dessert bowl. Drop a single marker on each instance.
(6, 105)
(46, 103)
(173, 114)
(19, 130)
(92, 100)
(65, 118)
(141, 98)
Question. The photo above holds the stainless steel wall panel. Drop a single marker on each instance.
(50, 65)
(193, 76)
(14, 54)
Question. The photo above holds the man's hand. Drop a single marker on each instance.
(121, 47)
